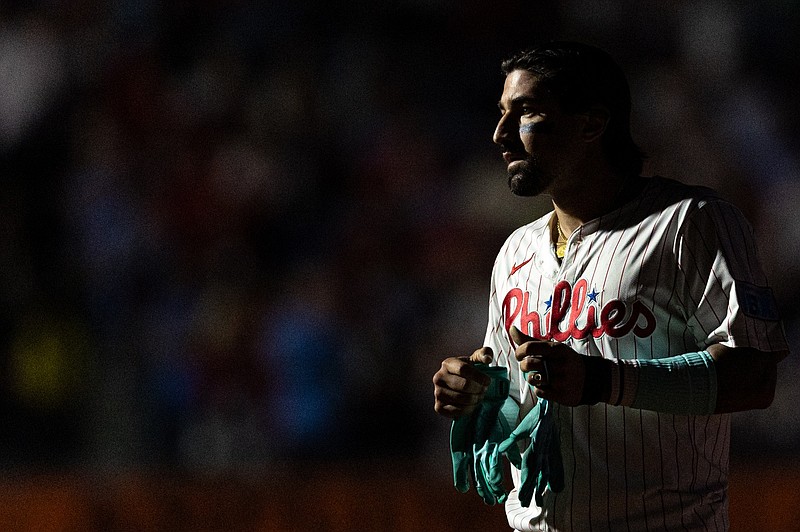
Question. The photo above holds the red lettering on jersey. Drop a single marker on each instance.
(616, 318)
(578, 303)
(649, 327)
(611, 320)
(516, 304)
(513, 297)
(561, 304)
(530, 322)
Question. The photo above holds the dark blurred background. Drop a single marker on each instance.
(237, 238)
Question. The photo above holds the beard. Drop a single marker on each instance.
(527, 178)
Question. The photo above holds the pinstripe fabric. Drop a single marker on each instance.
(663, 275)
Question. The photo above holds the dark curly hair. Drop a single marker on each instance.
(579, 76)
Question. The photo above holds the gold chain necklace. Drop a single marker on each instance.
(561, 243)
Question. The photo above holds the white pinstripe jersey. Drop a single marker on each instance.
(670, 272)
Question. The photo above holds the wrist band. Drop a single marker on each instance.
(598, 379)
(615, 395)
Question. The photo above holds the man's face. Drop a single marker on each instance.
(540, 143)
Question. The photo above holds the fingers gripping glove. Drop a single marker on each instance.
(474, 439)
(540, 464)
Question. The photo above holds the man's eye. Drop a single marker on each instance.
(530, 113)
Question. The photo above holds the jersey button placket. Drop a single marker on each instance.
(567, 268)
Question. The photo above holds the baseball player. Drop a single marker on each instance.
(637, 308)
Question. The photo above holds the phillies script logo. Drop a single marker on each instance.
(616, 318)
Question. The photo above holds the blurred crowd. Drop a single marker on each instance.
(237, 234)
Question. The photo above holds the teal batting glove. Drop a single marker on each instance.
(488, 463)
(540, 464)
(543, 462)
(474, 439)
(529, 425)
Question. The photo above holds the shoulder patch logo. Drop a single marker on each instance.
(757, 302)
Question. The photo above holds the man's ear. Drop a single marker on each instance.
(595, 122)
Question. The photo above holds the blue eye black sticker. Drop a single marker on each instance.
(536, 127)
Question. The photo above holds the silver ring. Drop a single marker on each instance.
(541, 378)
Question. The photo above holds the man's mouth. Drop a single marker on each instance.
(511, 156)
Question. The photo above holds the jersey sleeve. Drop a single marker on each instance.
(497, 337)
(725, 292)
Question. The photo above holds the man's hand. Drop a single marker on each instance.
(458, 387)
(562, 371)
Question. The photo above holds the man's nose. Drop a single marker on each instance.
(504, 130)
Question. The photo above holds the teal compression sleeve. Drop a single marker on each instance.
(682, 384)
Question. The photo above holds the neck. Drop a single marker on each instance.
(594, 198)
